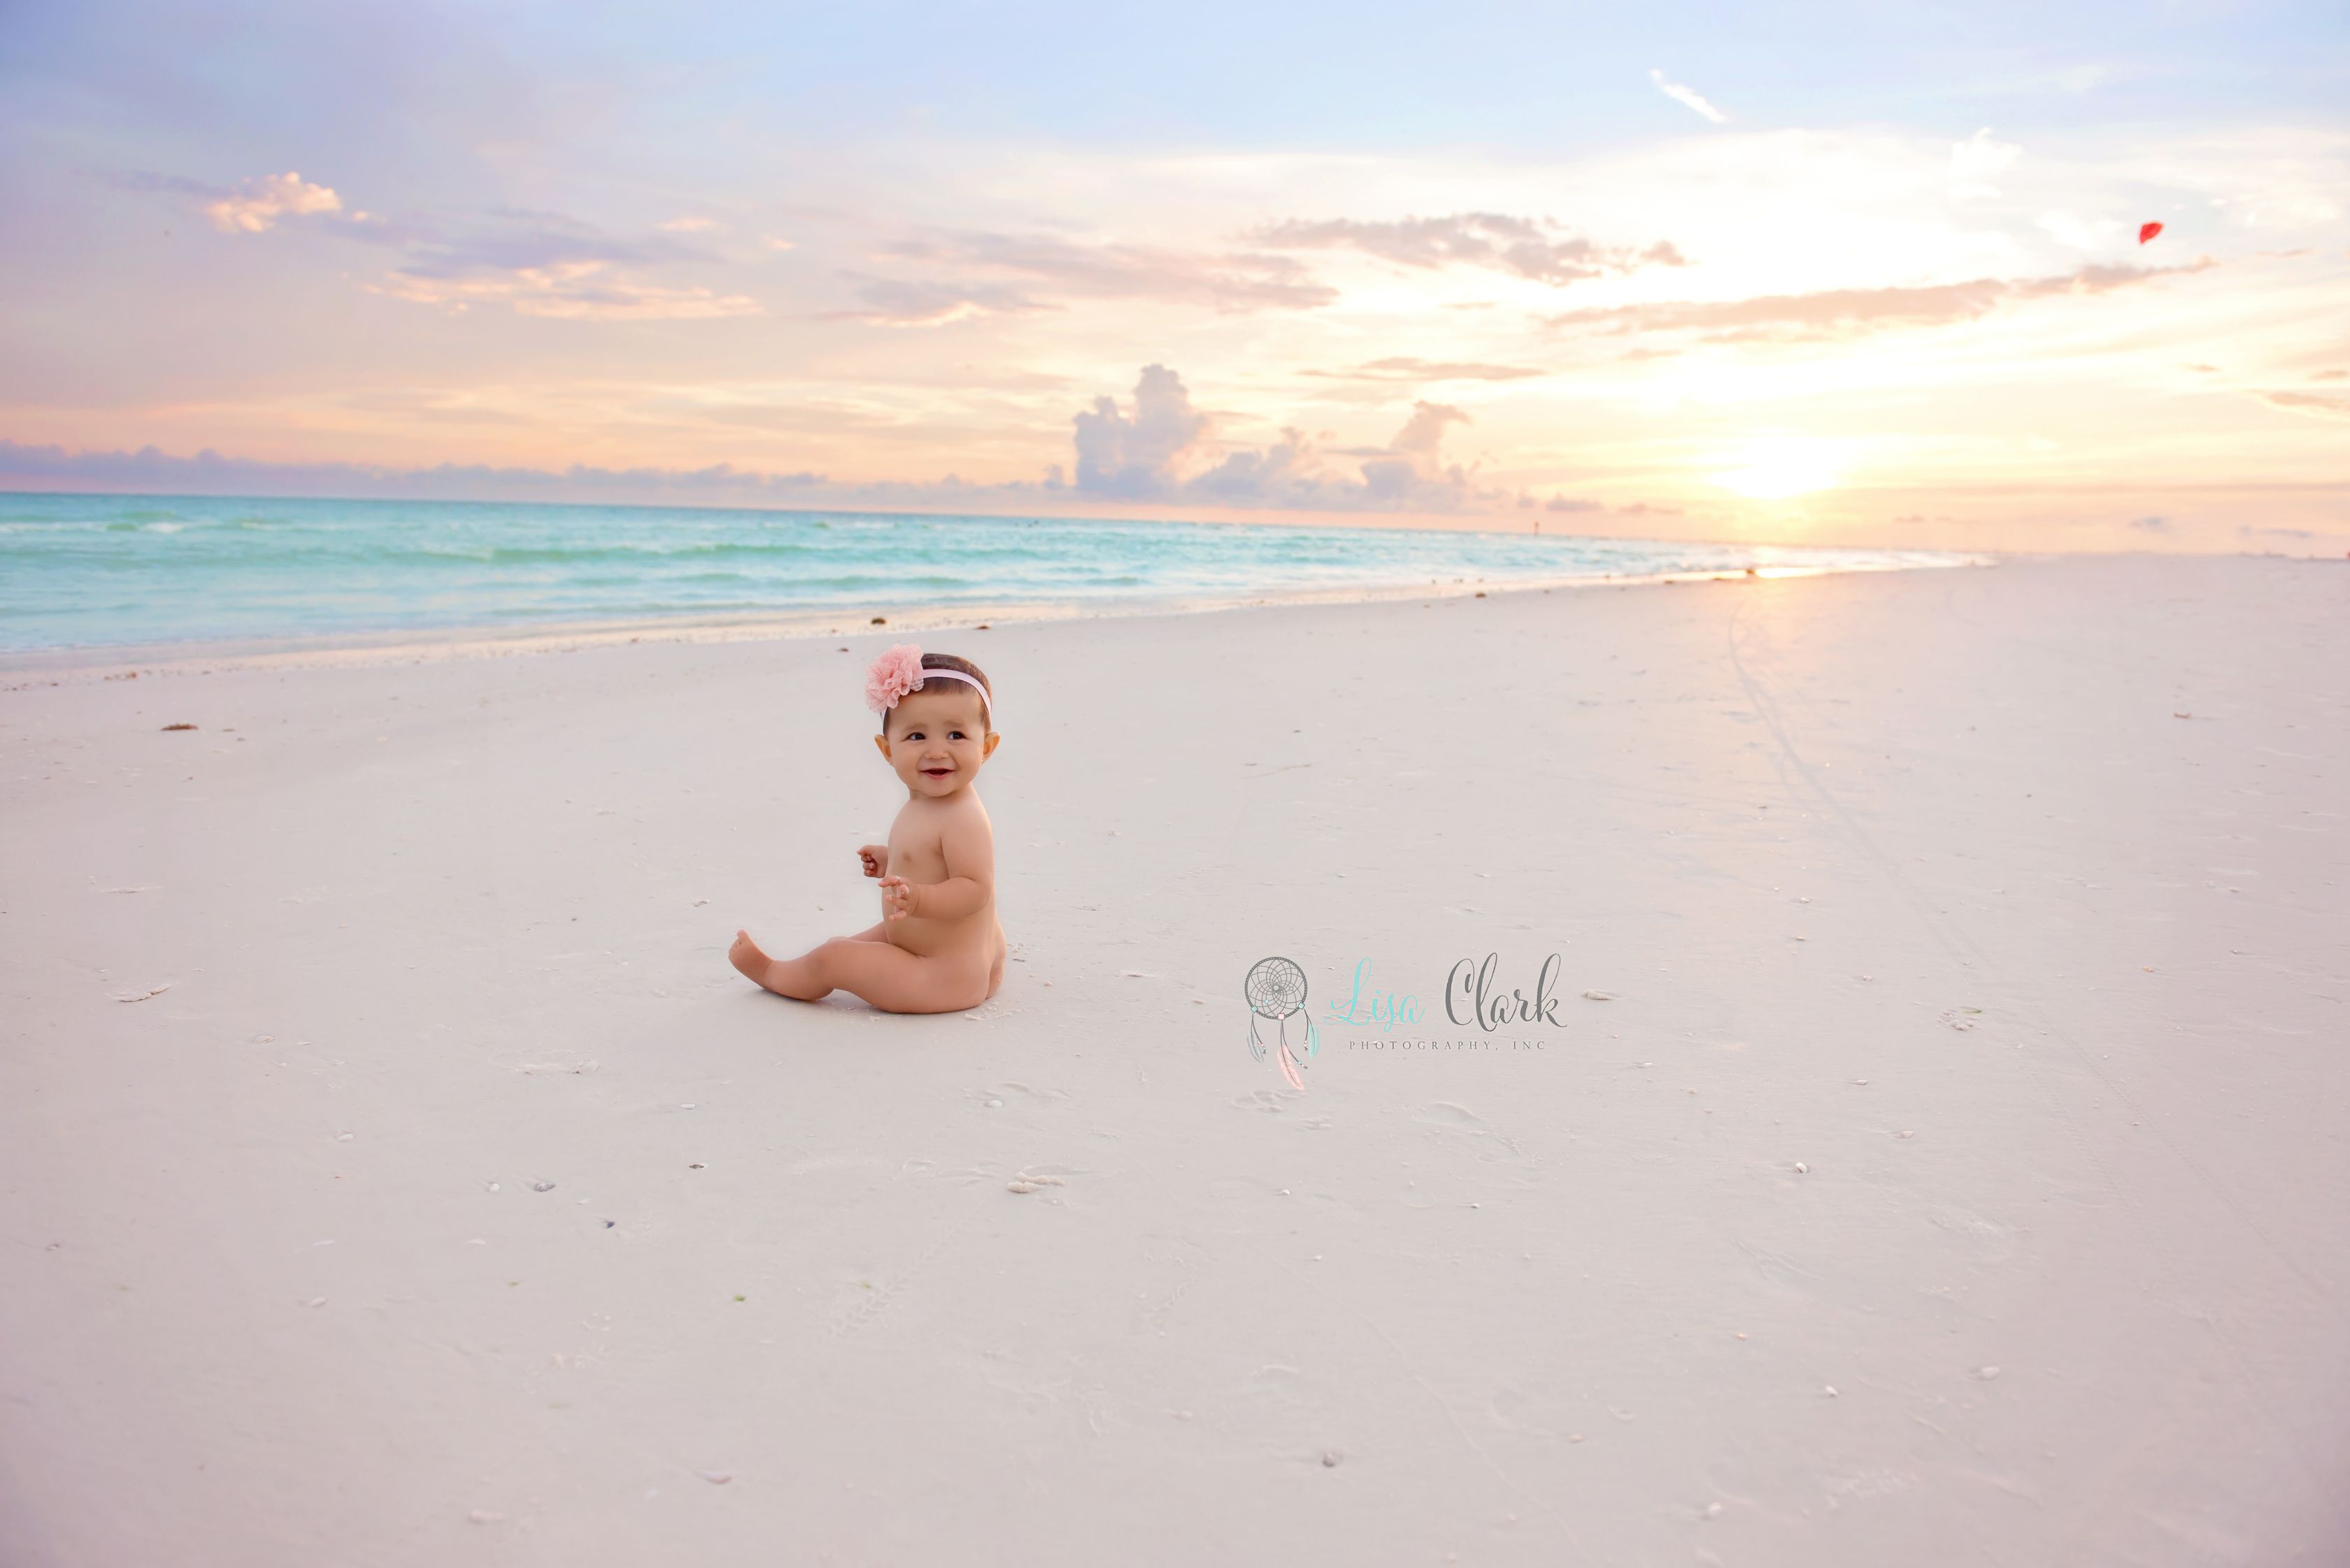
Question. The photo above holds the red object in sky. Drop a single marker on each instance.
(2148, 231)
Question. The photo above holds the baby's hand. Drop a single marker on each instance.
(897, 898)
(876, 857)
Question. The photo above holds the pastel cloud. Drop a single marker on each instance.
(1527, 247)
(568, 291)
(1854, 312)
(1689, 97)
(1405, 368)
(2331, 405)
(899, 302)
(255, 206)
(984, 268)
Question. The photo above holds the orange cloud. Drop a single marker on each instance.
(570, 291)
(1403, 368)
(255, 206)
(1854, 312)
(1524, 246)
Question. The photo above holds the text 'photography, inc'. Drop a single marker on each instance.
(1475, 1008)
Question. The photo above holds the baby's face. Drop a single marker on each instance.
(936, 741)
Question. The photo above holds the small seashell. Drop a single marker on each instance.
(1599, 996)
(1988, 1373)
(1330, 1456)
(1801, 1168)
(542, 1187)
(717, 1477)
(696, 1164)
(1832, 1393)
(1905, 1135)
(316, 1301)
(1021, 1187)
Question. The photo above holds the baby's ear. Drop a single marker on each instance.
(988, 750)
(882, 740)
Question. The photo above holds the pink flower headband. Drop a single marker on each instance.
(900, 671)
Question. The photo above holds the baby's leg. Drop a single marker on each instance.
(883, 973)
(995, 971)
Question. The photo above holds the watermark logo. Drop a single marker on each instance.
(1275, 989)
(1485, 1013)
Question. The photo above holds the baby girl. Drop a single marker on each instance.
(939, 948)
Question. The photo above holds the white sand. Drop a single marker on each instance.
(276, 1287)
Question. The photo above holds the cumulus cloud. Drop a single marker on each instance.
(1405, 369)
(1133, 455)
(1528, 247)
(255, 207)
(1854, 312)
(1423, 433)
(1163, 450)
(1689, 96)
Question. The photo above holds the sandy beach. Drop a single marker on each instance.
(1938, 1154)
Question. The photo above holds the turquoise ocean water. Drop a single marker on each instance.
(86, 571)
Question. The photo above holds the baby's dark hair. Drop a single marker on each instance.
(954, 661)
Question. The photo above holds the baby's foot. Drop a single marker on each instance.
(746, 956)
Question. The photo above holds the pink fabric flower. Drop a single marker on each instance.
(892, 676)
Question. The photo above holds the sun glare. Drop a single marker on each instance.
(1773, 468)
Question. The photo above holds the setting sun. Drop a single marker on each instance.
(1774, 468)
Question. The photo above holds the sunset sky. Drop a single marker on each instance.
(1858, 273)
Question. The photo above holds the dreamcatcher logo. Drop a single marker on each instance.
(1276, 992)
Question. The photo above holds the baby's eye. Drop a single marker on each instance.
(954, 735)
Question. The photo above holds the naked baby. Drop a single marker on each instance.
(939, 948)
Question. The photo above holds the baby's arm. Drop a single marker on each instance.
(876, 857)
(968, 850)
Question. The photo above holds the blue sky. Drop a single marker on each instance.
(889, 245)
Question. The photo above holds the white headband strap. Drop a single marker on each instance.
(930, 673)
